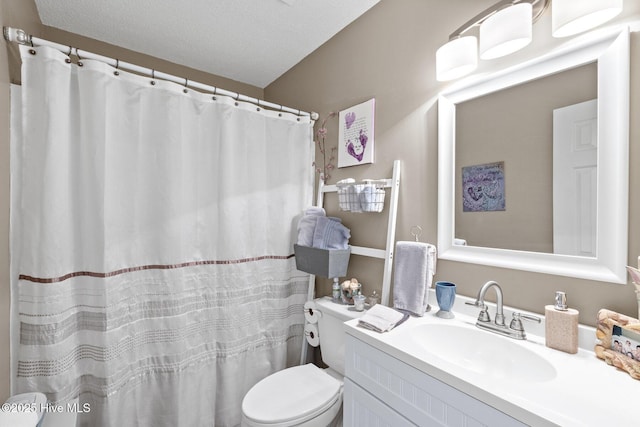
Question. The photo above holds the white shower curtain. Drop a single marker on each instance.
(151, 236)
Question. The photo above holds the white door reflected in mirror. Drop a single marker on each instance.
(575, 173)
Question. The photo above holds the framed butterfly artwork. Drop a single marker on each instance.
(483, 188)
(355, 134)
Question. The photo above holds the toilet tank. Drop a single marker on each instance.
(331, 331)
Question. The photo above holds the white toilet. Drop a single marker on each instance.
(305, 396)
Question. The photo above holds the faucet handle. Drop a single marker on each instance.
(484, 312)
(476, 303)
(516, 322)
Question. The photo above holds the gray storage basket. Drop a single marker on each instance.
(322, 262)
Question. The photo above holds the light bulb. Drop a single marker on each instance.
(506, 31)
(569, 17)
(457, 58)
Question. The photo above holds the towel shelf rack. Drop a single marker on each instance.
(385, 253)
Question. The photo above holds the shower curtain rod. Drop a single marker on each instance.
(21, 37)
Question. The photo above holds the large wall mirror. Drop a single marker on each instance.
(533, 164)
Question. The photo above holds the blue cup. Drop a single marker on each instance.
(445, 295)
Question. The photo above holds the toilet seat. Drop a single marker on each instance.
(291, 396)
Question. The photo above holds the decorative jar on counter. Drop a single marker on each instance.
(350, 288)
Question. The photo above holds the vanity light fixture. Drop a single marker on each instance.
(507, 27)
(569, 17)
(504, 28)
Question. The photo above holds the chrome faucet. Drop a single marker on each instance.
(514, 330)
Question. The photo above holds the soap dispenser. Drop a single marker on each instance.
(561, 325)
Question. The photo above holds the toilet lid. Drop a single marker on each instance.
(297, 393)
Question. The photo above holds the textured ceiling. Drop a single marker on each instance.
(251, 41)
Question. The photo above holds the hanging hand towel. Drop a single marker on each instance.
(413, 274)
(330, 234)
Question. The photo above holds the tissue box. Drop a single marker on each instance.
(322, 262)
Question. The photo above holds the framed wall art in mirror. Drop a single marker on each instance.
(607, 259)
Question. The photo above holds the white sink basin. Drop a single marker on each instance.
(479, 351)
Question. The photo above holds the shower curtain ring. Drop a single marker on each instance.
(153, 77)
(32, 51)
(67, 59)
(186, 82)
(116, 72)
(80, 64)
(28, 40)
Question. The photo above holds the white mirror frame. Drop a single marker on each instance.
(612, 53)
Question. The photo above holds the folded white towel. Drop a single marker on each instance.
(349, 195)
(346, 181)
(415, 265)
(371, 199)
(315, 210)
(330, 234)
(353, 194)
(307, 225)
(382, 319)
(306, 229)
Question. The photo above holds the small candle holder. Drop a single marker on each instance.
(358, 302)
(373, 299)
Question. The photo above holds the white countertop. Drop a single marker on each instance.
(585, 392)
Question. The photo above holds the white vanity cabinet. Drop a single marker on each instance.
(381, 390)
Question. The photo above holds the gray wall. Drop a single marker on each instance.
(515, 126)
(389, 54)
